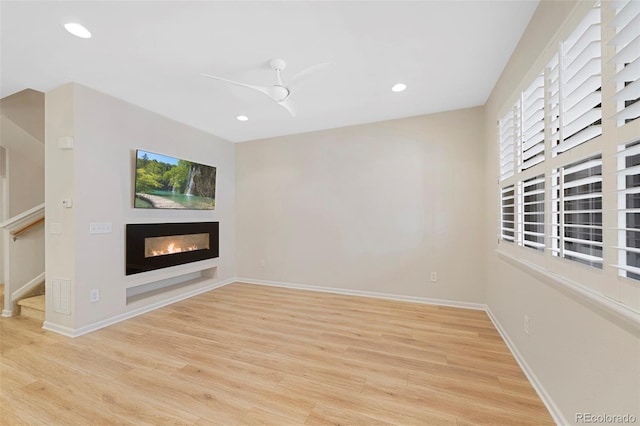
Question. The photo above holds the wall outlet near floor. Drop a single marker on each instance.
(434, 277)
(94, 295)
(527, 325)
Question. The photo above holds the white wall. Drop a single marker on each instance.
(375, 207)
(60, 249)
(99, 175)
(586, 360)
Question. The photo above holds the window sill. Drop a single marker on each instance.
(608, 307)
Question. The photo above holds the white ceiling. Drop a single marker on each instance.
(449, 53)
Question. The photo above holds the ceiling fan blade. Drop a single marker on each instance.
(261, 89)
(308, 71)
(288, 105)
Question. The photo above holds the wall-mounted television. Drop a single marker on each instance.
(164, 182)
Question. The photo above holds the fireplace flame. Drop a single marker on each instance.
(159, 246)
(172, 249)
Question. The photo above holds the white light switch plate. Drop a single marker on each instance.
(55, 228)
(100, 228)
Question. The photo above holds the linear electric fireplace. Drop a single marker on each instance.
(160, 245)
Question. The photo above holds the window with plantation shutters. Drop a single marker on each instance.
(629, 211)
(578, 81)
(531, 213)
(532, 135)
(577, 212)
(567, 170)
(507, 215)
(506, 131)
(627, 59)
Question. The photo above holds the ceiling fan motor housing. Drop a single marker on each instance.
(279, 93)
(278, 64)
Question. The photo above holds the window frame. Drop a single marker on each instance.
(606, 286)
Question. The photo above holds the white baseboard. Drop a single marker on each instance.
(60, 329)
(533, 379)
(376, 295)
(75, 332)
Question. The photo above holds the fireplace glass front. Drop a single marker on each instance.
(161, 245)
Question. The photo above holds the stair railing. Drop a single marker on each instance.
(16, 234)
(23, 257)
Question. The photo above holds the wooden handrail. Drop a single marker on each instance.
(25, 228)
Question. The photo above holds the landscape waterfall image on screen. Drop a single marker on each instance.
(164, 182)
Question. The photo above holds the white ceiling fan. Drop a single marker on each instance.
(279, 92)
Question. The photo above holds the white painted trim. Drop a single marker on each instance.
(60, 329)
(39, 279)
(595, 299)
(76, 332)
(533, 379)
(23, 218)
(7, 313)
(376, 295)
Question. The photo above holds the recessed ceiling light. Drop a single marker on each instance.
(400, 87)
(77, 30)
(242, 118)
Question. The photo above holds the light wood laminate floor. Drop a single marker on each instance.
(247, 354)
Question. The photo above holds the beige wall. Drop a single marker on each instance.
(374, 208)
(584, 358)
(22, 116)
(98, 175)
(26, 110)
(25, 169)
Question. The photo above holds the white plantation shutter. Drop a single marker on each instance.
(532, 143)
(629, 211)
(531, 213)
(507, 213)
(506, 131)
(517, 130)
(554, 147)
(552, 75)
(576, 207)
(581, 80)
(626, 59)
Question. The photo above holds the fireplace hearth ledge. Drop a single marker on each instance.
(160, 288)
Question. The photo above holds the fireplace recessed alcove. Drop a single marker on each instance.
(161, 257)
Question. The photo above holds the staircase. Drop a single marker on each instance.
(32, 307)
(23, 238)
